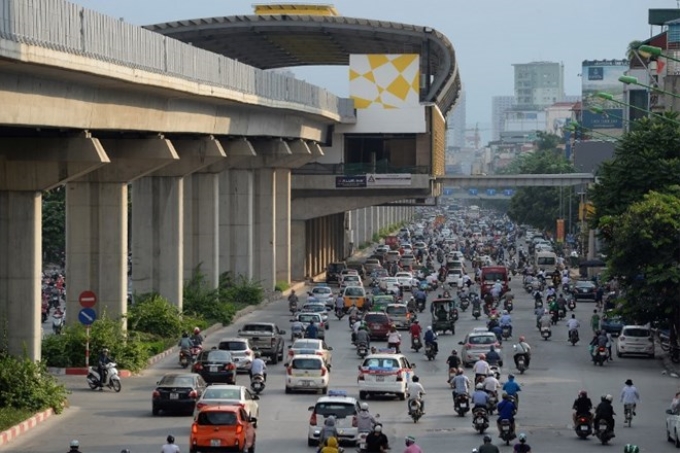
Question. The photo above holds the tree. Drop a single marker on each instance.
(644, 252)
(646, 158)
(631, 51)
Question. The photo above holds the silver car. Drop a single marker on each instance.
(240, 350)
(324, 295)
(316, 307)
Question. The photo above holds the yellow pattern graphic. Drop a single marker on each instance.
(385, 81)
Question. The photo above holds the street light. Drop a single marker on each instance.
(573, 126)
(654, 51)
(630, 80)
(610, 97)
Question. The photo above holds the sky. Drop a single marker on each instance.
(488, 35)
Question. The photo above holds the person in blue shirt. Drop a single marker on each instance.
(312, 331)
(506, 320)
(420, 295)
(431, 338)
(480, 399)
(512, 388)
(506, 411)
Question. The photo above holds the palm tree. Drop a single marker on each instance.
(631, 52)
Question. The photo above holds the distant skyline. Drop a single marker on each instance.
(488, 35)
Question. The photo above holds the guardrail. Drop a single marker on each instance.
(316, 168)
(66, 27)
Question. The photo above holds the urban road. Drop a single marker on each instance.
(106, 422)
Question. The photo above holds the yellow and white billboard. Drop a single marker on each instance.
(385, 81)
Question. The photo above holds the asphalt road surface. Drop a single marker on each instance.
(106, 422)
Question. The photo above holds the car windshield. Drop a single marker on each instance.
(257, 328)
(306, 345)
(381, 362)
(217, 356)
(351, 278)
(585, 284)
(309, 317)
(376, 318)
(306, 364)
(635, 332)
(213, 393)
(217, 418)
(177, 381)
(339, 410)
(545, 260)
(315, 308)
(397, 311)
(233, 345)
(493, 276)
(482, 339)
(354, 291)
(321, 291)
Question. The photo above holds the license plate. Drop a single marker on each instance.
(584, 428)
(380, 378)
(306, 383)
(215, 442)
(213, 369)
(463, 405)
(174, 396)
(506, 428)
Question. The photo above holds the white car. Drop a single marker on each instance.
(310, 346)
(317, 307)
(229, 395)
(455, 278)
(344, 408)
(390, 285)
(635, 340)
(350, 280)
(673, 427)
(477, 342)
(307, 372)
(405, 279)
(324, 295)
(240, 350)
(385, 373)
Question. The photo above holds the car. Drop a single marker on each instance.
(635, 340)
(612, 324)
(454, 277)
(220, 428)
(350, 280)
(345, 410)
(385, 373)
(359, 267)
(405, 279)
(307, 372)
(399, 316)
(477, 342)
(216, 366)
(310, 346)
(317, 307)
(372, 264)
(229, 395)
(265, 337)
(420, 246)
(177, 392)
(390, 285)
(382, 249)
(307, 318)
(673, 426)
(333, 271)
(323, 294)
(584, 289)
(240, 350)
(378, 325)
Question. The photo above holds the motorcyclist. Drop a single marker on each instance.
(453, 361)
(376, 441)
(506, 321)
(331, 446)
(562, 303)
(599, 341)
(605, 411)
(487, 447)
(74, 447)
(258, 366)
(185, 343)
(339, 303)
(522, 348)
(416, 392)
(506, 411)
(480, 398)
(329, 430)
(311, 331)
(197, 338)
(104, 360)
(362, 336)
(481, 367)
(293, 300)
(394, 339)
(491, 385)
(460, 384)
(582, 406)
(431, 339)
(522, 446)
(297, 327)
(512, 388)
(411, 446)
(493, 358)
(572, 325)
(365, 421)
(170, 446)
(493, 322)
(415, 330)
(546, 320)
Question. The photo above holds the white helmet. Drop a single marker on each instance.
(75, 444)
(429, 327)
(609, 398)
(364, 406)
(479, 386)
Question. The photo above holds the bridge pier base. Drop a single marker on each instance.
(264, 222)
(283, 228)
(201, 227)
(238, 192)
(299, 249)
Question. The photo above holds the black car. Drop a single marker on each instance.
(216, 366)
(333, 272)
(584, 289)
(177, 392)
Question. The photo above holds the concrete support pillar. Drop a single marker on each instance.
(201, 227)
(298, 249)
(157, 237)
(265, 227)
(236, 203)
(20, 272)
(317, 246)
(97, 245)
(283, 228)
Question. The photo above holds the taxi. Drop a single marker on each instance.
(345, 410)
(385, 373)
(354, 296)
(222, 427)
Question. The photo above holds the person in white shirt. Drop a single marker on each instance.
(481, 367)
(573, 323)
(630, 395)
(170, 447)
(491, 384)
(258, 366)
(394, 339)
(416, 391)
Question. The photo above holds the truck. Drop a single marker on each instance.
(265, 337)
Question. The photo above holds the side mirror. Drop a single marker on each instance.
(282, 332)
(669, 412)
(310, 408)
(413, 366)
(158, 382)
(461, 343)
(290, 346)
(238, 331)
(330, 348)
(359, 367)
(256, 397)
(509, 279)
(253, 420)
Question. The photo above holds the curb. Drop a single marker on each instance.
(671, 369)
(23, 427)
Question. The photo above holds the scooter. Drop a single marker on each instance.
(492, 402)
(292, 307)
(184, 358)
(561, 313)
(416, 344)
(583, 426)
(461, 404)
(505, 332)
(507, 432)
(521, 363)
(538, 304)
(476, 313)
(361, 443)
(600, 356)
(509, 306)
(430, 352)
(257, 383)
(603, 432)
(415, 410)
(464, 303)
(57, 324)
(339, 313)
(480, 420)
(496, 371)
(112, 378)
(546, 333)
(362, 350)
(571, 305)
(573, 337)
(195, 351)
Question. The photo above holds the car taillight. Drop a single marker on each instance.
(291, 352)
(323, 371)
(194, 428)
(200, 406)
(400, 378)
(312, 419)
(239, 429)
(361, 377)
(156, 394)
(468, 346)
(354, 422)
(230, 367)
(198, 367)
(622, 338)
(193, 394)
(319, 353)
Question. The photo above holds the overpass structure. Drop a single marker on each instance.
(509, 181)
(207, 145)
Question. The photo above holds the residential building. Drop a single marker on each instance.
(499, 105)
(538, 84)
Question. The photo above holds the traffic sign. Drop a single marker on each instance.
(87, 299)
(87, 316)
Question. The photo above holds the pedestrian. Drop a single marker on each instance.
(595, 321)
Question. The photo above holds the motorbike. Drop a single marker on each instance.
(339, 313)
(571, 305)
(492, 403)
(521, 362)
(573, 337)
(508, 306)
(292, 307)
(257, 383)
(628, 414)
(352, 319)
(361, 443)
(464, 303)
(452, 374)
(415, 410)
(507, 432)
(538, 304)
(505, 332)
(296, 335)
(546, 333)
(430, 352)
(480, 420)
(496, 371)
(561, 313)
(461, 404)
(112, 378)
(476, 313)
(583, 426)
(600, 356)
(195, 351)
(420, 305)
(184, 358)
(416, 343)
(57, 324)
(603, 432)
(362, 350)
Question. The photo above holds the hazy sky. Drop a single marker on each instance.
(488, 35)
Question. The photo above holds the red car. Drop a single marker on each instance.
(379, 324)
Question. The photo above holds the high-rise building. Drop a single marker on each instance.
(538, 84)
(499, 105)
(455, 134)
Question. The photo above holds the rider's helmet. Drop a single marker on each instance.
(410, 440)
(364, 406)
(511, 376)
(454, 352)
(257, 354)
(482, 356)
(505, 312)
(105, 351)
(474, 450)
(479, 386)
(630, 448)
(429, 328)
(609, 398)
(74, 444)
(185, 334)
(415, 378)
(377, 428)
(522, 338)
(125, 450)
(171, 439)
(487, 439)
(197, 330)
(522, 437)
(506, 396)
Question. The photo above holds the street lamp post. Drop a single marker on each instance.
(630, 80)
(610, 97)
(653, 51)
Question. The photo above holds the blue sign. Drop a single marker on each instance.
(473, 192)
(87, 316)
(609, 119)
(508, 192)
(491, 192)
(448, 191)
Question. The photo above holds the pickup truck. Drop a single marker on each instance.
(266, 338)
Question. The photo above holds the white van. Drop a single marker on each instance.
(546, 261)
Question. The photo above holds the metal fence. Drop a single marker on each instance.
(66, 27)
(316, 168)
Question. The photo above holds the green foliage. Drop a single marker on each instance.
(240, 291)
(54, 224)
(10, 416)
(645, 254)
(153, 314)
(646, 158)
(25, 384)
(281, 286)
